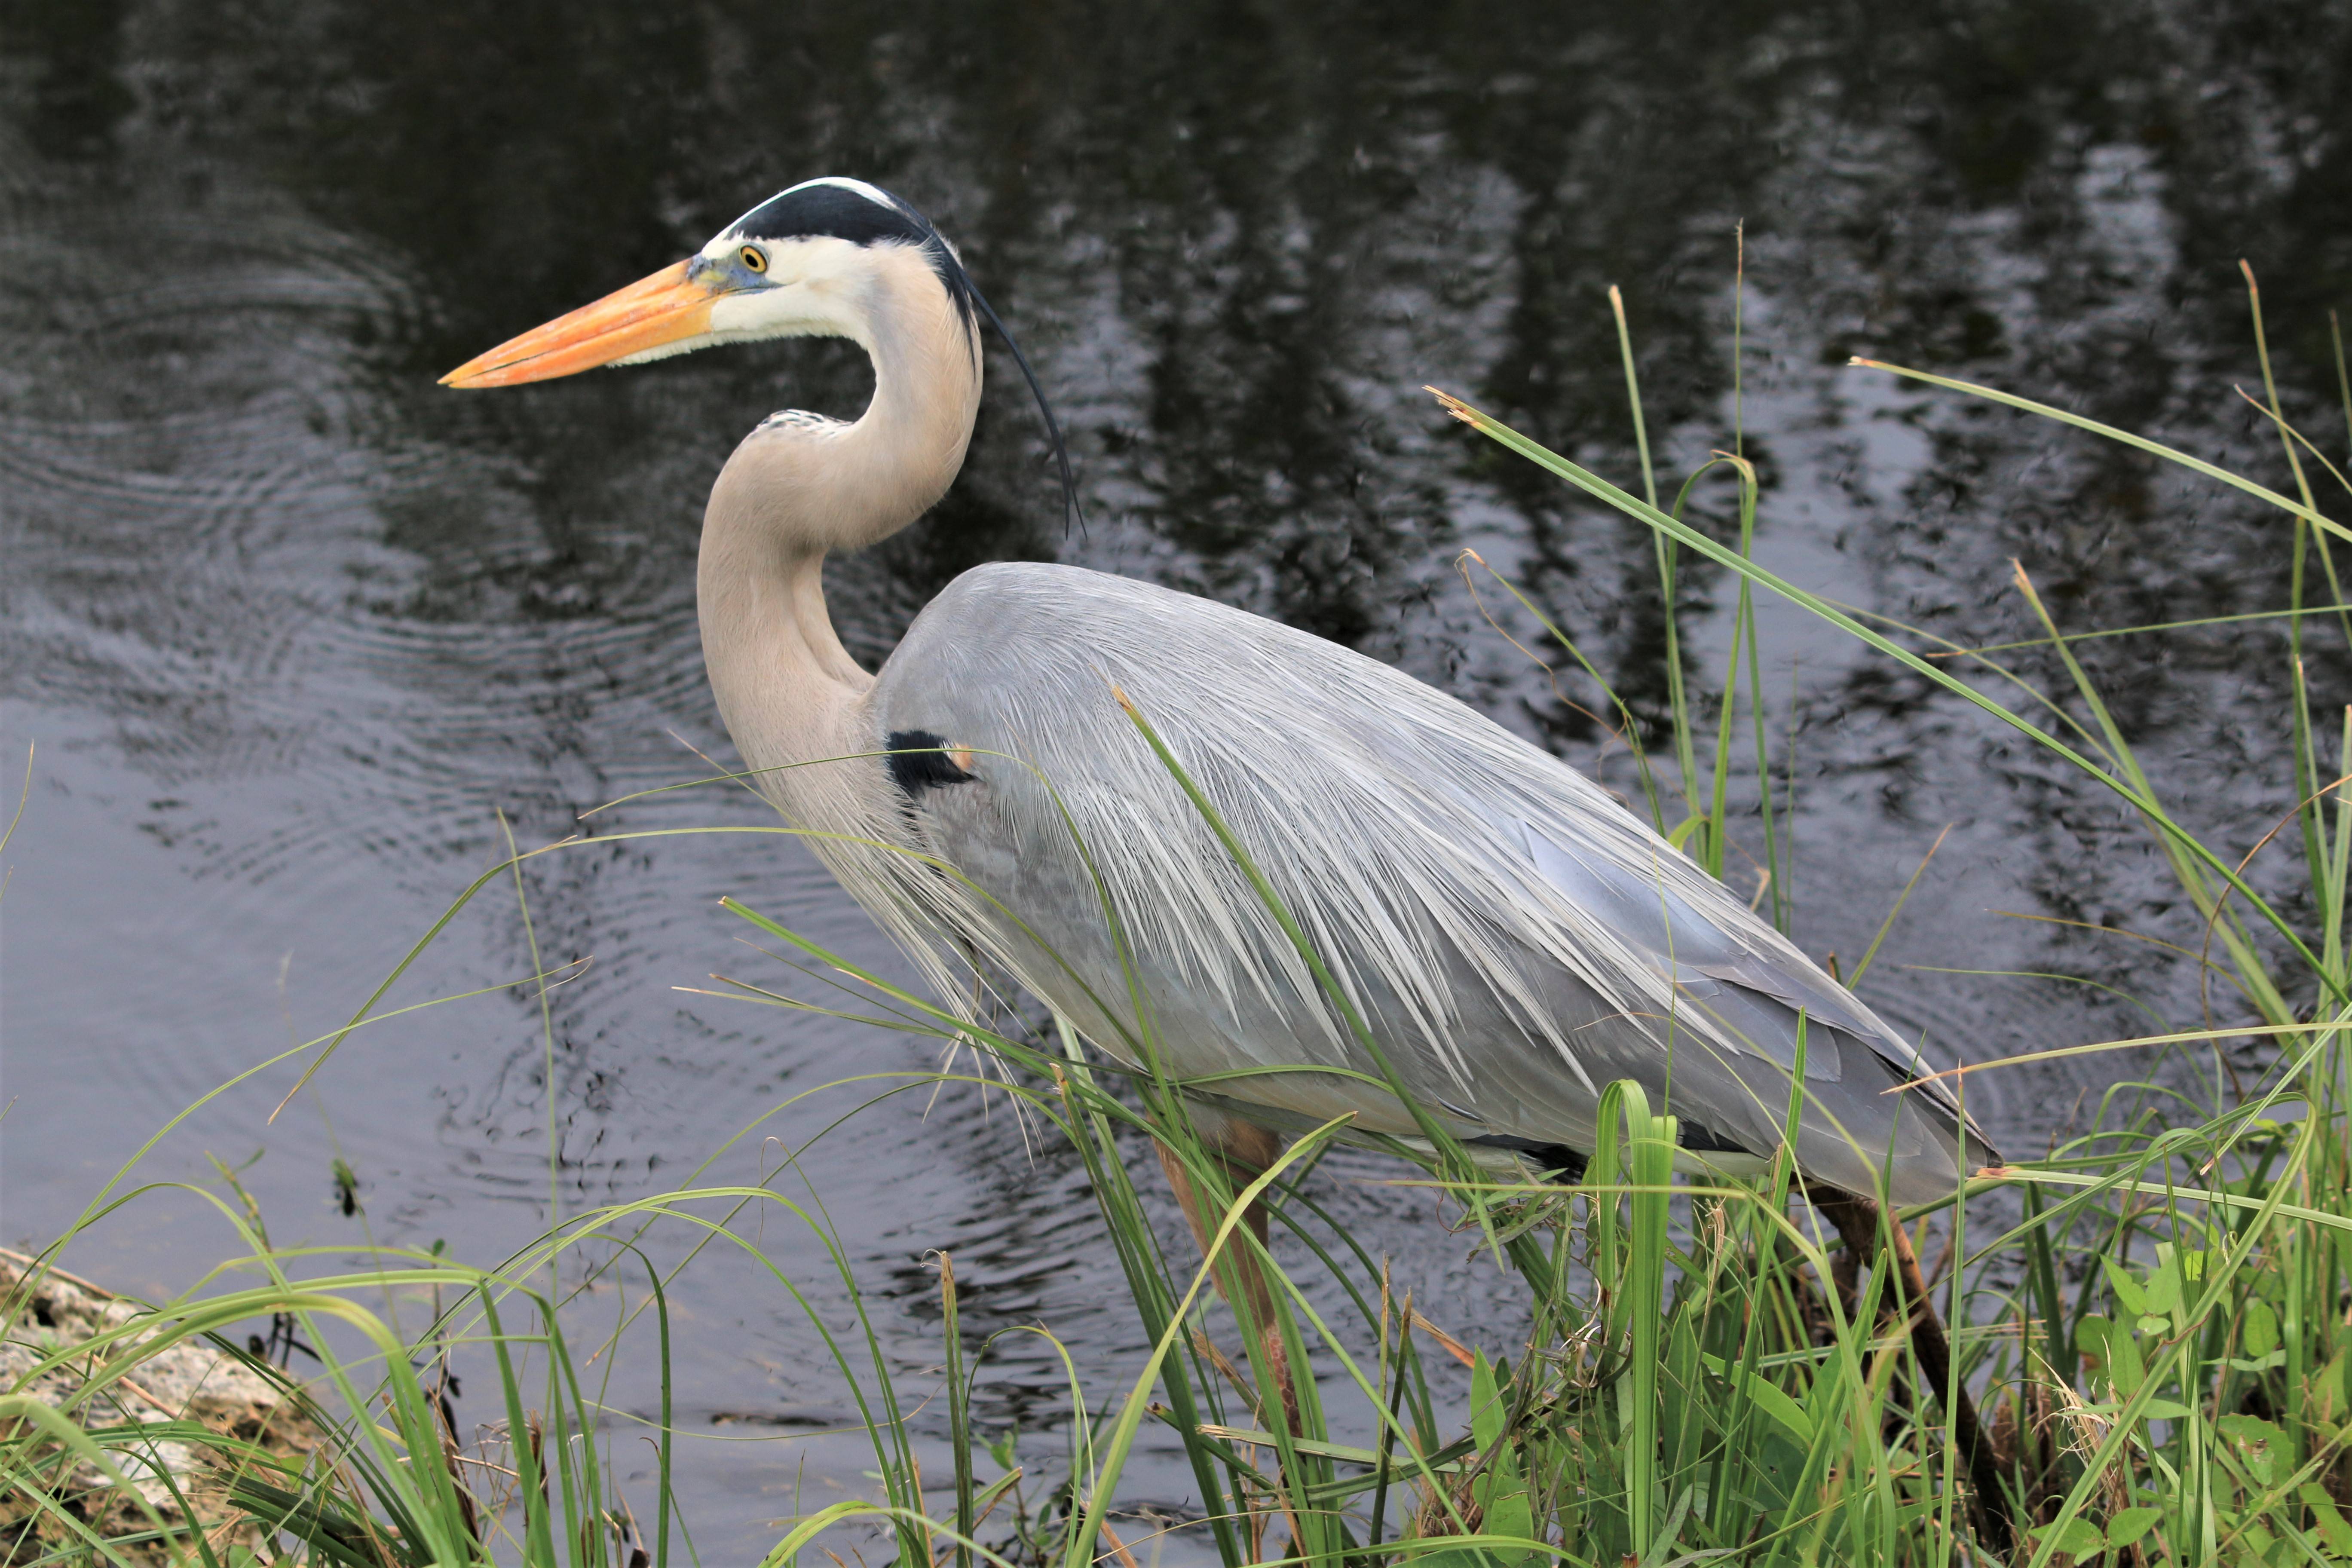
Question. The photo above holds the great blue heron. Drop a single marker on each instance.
(1514, 938)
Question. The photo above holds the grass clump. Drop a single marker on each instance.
(2153, 1317)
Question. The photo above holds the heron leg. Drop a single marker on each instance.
(1858, 1224)
(1244, 1150)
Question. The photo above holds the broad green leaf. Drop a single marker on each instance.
(2162, 1293)
(2129, 1294)
(1486, 1411)
(2258, 1328)
(2080, 1537)
(2129, 1524)
(2125, 1369)
(2263, 1446)
(1499, 1490)
(2328, 1518)
(1502, 1497)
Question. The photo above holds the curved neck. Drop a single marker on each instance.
(795, 490)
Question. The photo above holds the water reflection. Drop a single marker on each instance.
(291, 622)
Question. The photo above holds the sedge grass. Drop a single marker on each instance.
(2156, 1318)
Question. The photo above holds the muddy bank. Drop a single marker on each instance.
(176, 1422)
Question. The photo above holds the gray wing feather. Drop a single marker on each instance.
(1516, 937)
(1748, 960)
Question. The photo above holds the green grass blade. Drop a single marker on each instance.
(1600, 488)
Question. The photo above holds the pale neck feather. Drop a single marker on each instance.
(786, 688)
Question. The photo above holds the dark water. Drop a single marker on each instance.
(290, 624)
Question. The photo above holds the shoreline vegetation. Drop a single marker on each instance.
(2152, 1316)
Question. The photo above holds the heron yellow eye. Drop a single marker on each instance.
(753, 257)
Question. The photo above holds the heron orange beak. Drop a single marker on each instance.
(648, 314)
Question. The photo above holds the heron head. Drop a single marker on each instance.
(804, 263)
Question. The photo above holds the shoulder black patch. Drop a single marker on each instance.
(919, 761)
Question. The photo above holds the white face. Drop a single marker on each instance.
(790, 288)
(778, 289)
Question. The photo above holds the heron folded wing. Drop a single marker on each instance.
(1713, 969)
(1642, 910)
(1820, 997)
(1755, 1019)
(1751, 993)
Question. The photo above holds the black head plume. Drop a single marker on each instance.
(868, 214)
